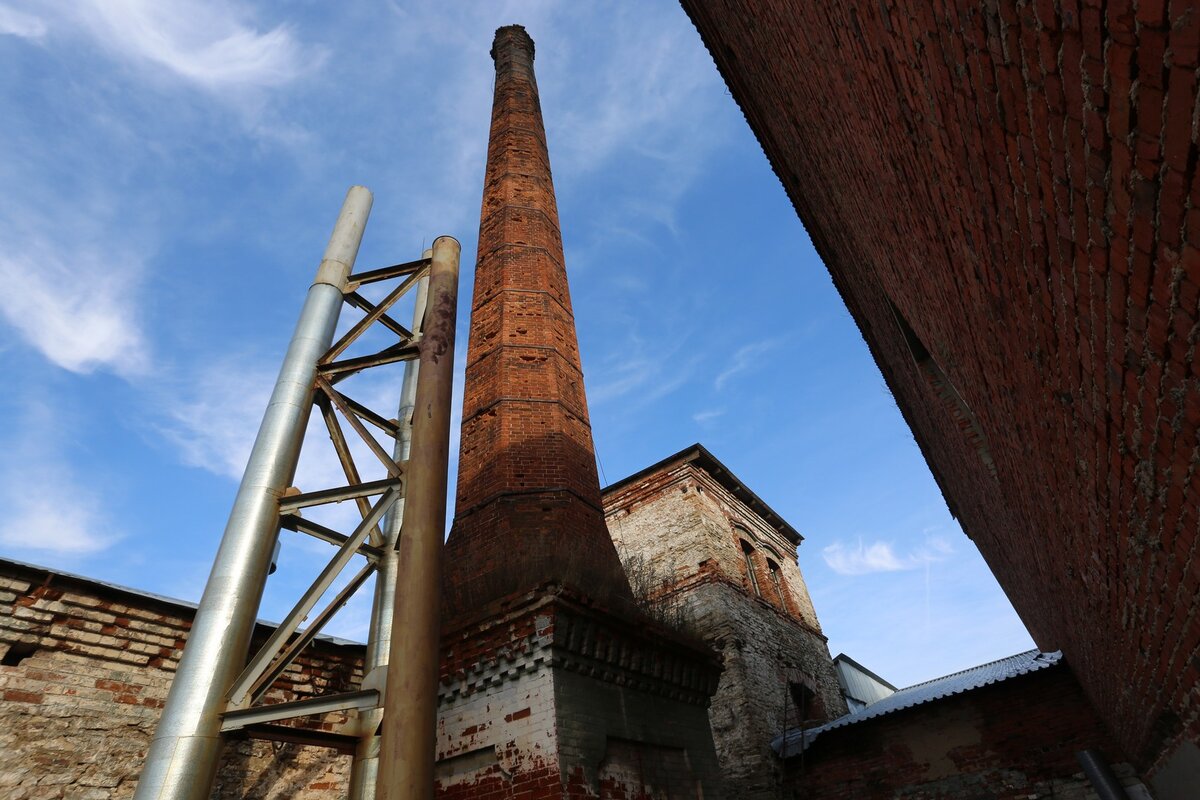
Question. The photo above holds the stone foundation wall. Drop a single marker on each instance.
(84, 673)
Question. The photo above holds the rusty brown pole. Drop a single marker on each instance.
(407, 745)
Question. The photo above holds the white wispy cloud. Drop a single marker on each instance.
(214, 413)
(211, 44)
(646, 97)
(74, 300)
(19, 23)
(881, 556)
(649, 377)
(744, 359)
(705, 417)
(48, 507)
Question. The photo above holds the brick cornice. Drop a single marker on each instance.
(549, 629)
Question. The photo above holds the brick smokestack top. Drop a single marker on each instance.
(528, 508)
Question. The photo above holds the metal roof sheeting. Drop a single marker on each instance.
(860, 683)
(796, 741)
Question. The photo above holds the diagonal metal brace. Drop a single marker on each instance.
(374, 314)
(349, 548)
(294, 522)
(337, 371)
(294, 648)
(243, 717)
(335, 495)
(358, 301)
(420, 266)
(339, 400)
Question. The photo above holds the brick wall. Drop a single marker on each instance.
(683, 529)
(84, 675)
(1014, 739)
(1006, 196)
(547, 697)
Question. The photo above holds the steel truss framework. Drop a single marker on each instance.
(203, 710)
(374, 500)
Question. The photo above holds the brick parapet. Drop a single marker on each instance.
(545, 695)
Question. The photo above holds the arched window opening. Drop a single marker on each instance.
(748, 555)
(777, 579)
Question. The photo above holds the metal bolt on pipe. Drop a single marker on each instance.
(365, 770)
(407, 746)
(182, 760)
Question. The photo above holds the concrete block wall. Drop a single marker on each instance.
(84, 673)
(1006, 196)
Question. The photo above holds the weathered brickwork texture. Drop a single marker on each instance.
(528, 506)
(550, 698)
(85, 674)
(1006, 196)
(685, 530)
(1014, 739)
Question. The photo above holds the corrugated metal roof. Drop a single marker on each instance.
(796, 741)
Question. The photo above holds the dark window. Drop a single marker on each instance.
(748, 555)
(776, 579)
(17, 653)
(808, 704)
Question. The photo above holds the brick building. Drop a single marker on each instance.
(553, 684)
(709, 555)
(1007, 199)
(84, 672)
(1004, 730)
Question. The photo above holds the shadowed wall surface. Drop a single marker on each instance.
(1005, 194)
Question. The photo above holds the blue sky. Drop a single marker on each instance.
(171, 170)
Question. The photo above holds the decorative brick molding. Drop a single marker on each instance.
(554, 627)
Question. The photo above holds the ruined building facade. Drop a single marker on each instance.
(712, 557)
(84, 673)
(1006, 195)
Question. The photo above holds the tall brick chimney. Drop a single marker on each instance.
(528, 509)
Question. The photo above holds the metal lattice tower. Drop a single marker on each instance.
(217, 692)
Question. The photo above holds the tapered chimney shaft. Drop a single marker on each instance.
(528, 508)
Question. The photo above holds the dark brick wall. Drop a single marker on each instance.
(528, 507)
(1006, 196)
(1014, 739)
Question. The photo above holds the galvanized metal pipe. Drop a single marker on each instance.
(182, 760)
(1100, 775)
(365, 770)
(407, 746)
